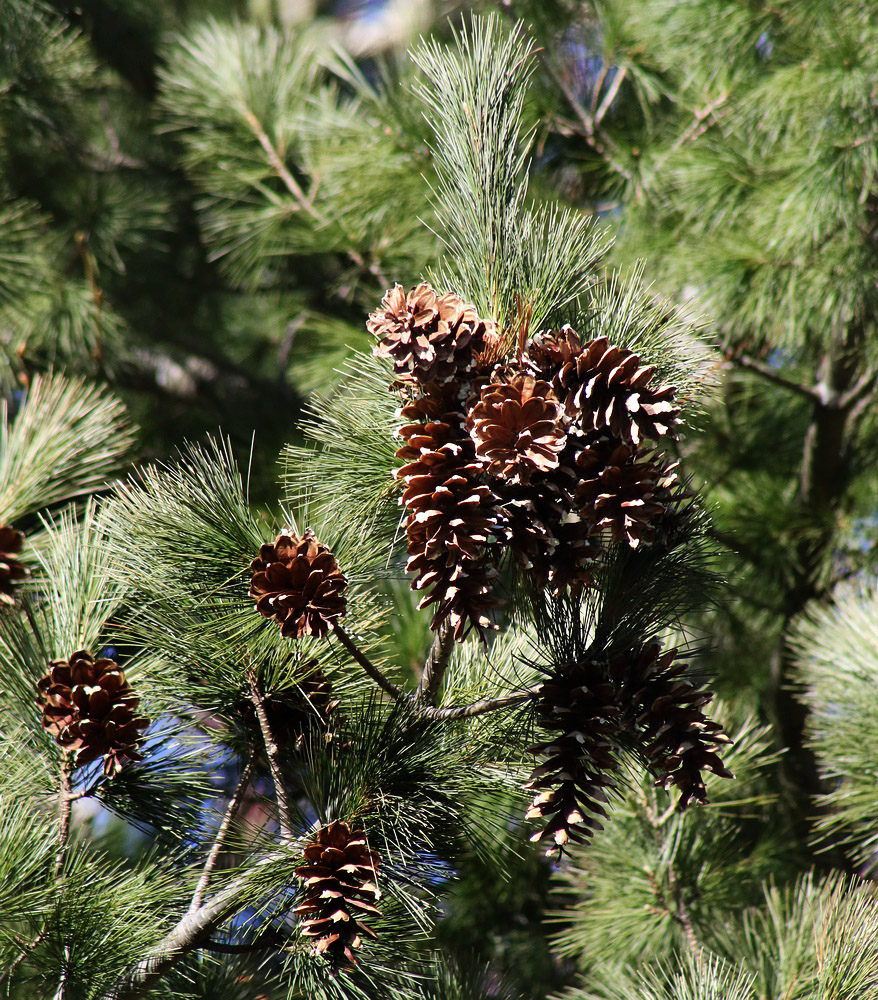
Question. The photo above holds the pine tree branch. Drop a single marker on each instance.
(64, 808)
(284, 810)
(305, 204)
(480, 707)
(435, 666)
(770, 374)
(610, 95)
(701, 120)
(383, 682)
(219, 841)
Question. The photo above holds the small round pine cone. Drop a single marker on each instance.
(297, 582)
(90, 709)
(428, 337)
(11, 570)
(339, 875)
(606, 388)
(549, 350)
(623, 491)
(517, 428)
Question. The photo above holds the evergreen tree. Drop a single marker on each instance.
(240, 760)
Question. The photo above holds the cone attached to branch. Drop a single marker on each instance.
(297, 582)
(11, 570)
(517, 428)
(572, 784)
(339, 876)
(90, 709)
(429, 337)
(452, 516)
(606, 388)
(678, 739)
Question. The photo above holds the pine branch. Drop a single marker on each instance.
(380, 679)
(479, 707)
(219, 841)
(272, 752)
(435, 665)
(770, 374)
(64, 808)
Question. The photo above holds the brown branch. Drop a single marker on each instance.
(383, 682)
(480, 707)
(770, 374)
(436, 664)
(610, 96)
(701, 120)
(284, 810)
(219, 841)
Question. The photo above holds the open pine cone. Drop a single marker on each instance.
(517, 428)
(90, 709)
(606, 388)
(340, 889)
(428, 337)
(573, 782)
(11, 570)
(297, 582)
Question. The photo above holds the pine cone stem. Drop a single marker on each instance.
(383, 682)
(64, 807)
(436, 664)
(219, 841)
(284, 811)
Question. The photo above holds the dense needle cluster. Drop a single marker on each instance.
(339, 876)
(90, 709)
(544, 454)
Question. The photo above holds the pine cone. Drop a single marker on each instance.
(451, 520)
(548, 351)
(678, 739)
(292, 711)
(11, 570)
(622, 490)
(605, 388)
(90, 709)
(429, 337)
(517, 428)
(572, 784)
(297, 582)
(548, 535)
(339, 877)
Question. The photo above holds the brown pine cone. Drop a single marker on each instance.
(623, 491)
(548, 351)
(452, 518)
(572, 784)
(605, 388)
(297, 582)
(517, 428)
(90, 709)
(339, 876)
(429, 337)
(678, 739)
(11, 570)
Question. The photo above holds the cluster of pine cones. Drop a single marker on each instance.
(549, 454)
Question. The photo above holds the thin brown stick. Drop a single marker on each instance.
(219, 841)
(610, 96)
(435, 665)
(64, 803)
(284, 811)
(480, 707)
(383, 682)
(772, 375)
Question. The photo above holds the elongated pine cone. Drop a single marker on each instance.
(429, 337)
(572, 784)
(452, 517)
(297, 582)
(517, 428)
(606, 388)
(90, 709)
(11, 570)
(339, 876)
(679, 741)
